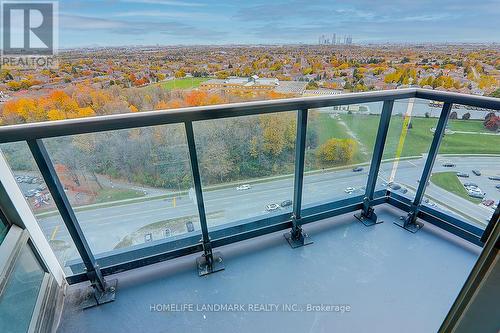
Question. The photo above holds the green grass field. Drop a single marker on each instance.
(110, 194)
(450, 182)
(418, 138)
(185, 83)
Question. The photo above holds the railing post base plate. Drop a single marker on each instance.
(411, 227)
(302, 239)
(94, 298)
(205, 268)
(368, 220)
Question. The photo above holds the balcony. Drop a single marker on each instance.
(389, 247)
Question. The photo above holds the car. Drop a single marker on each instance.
(31, 193)
(476, 172)
(272, 207)
(286, 203)
(475, 194)
(448, 165)
(357, 169)
(349, 190)
(148, 238)
(189, 226)
(498, 186)
(243, 187)
(488, 202)
(470, 185)
(19, 179)
(462, 174)
(494, 178)
(168, 232)
(404, 190)
(395, 187)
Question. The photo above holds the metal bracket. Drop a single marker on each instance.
(297, 237)
(209, 262)
(95, 296)
(409, 222)
(367, 216)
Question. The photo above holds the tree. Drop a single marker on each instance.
(427, 115)
(453, 115)
(491, 121)
(466, 116)
(180, 74)
(337, 151)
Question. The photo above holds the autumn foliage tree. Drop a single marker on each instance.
(337, 151)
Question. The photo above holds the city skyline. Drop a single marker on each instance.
(173, 22)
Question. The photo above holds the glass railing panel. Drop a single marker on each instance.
(465, 180)
(246, 166)
(129, 188)
(407, 144)
(30, 182)
(20, 294)
(339, 149)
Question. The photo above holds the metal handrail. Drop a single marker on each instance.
(49, 129)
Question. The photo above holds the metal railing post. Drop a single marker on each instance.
(367, 215)
(410, 222)
(297, 237)
(209, 262)
(102, 291)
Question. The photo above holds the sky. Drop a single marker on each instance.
(170, 22)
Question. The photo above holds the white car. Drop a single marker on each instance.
(349, 190)
(243, 187)
(272, 207)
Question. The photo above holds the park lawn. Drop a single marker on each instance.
(328, 128)
(115, 194)
(467, 125)
(184, 83)
(450, 182)
(418, 139)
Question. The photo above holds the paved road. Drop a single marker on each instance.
(105, 227)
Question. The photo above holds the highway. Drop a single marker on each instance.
(107, 226)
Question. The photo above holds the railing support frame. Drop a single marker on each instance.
(101, 291)
(409, 222)
(209, 262)
(367, 216)
(297, 237)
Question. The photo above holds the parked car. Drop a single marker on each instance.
(272, 207)
(470, 185)
(462, 174)
(475, 193)
(357, 169)
(498, 186)
(349, 190)
(168, 232)
(190, 226)
(395, 187)
(31, 193)
(448, 165)
(476, 172)
(494, 178)
(243, 187)
(488, 202)
(286, 203)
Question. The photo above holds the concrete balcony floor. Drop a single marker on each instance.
(393, 281)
